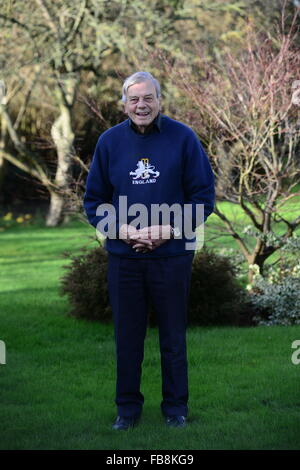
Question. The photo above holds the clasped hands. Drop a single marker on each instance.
(145, 239)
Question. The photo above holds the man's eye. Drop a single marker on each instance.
(133, 100)
(149, 99)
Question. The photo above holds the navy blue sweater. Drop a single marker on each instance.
(165, 166)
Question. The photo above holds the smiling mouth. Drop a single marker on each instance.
(142, 114)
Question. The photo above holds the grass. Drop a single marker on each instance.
(240, 220)
(57, 386)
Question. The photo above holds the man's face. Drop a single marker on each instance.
(142, 105)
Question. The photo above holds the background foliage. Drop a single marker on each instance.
(215, 296)
(62, 67)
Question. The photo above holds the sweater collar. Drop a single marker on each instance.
(155, 124)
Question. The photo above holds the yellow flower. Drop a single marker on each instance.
(8, 216)
(20, 219)
(28, 216)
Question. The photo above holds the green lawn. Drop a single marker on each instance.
(57, 386)
(240, 220)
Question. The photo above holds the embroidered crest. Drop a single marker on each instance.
(144, 171)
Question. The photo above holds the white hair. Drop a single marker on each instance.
(139, 77)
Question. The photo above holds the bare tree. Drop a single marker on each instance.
(25, 159)
(244, 108)
(68, 39)
(42, 43)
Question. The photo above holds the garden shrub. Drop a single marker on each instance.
(85, 284)
(215, 296)
(276, 297)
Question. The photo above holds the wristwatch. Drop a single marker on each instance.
(175, 232)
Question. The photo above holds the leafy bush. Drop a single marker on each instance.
(85, 284)
(277, 296)
(215, 296)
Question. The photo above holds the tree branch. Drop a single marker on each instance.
(233, 233)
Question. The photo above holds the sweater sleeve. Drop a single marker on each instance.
(99, 191)
(198, 182)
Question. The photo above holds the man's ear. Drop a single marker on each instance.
(124, 108)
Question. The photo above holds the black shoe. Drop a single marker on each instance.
(123, 423)
(176, 421)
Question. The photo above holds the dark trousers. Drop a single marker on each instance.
(131, 283)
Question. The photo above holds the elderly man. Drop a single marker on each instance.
(146, 162)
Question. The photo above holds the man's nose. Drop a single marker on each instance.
(141, 103)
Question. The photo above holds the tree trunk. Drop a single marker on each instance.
(63, 137)
(258, 258)
(3, 165)
(55, 212)
(3, 136)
